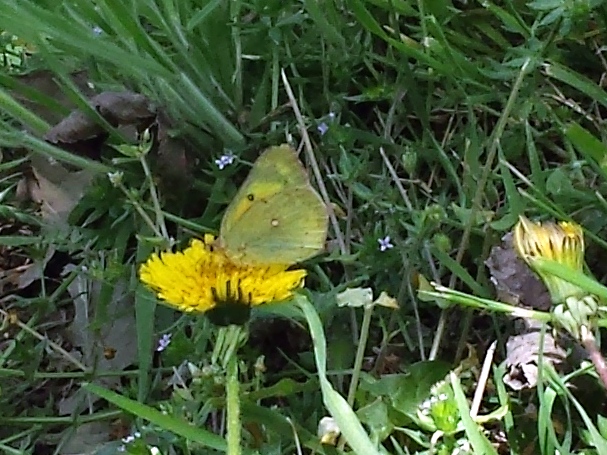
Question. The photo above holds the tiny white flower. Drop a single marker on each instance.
(331, 115)
(225, 160)
(127, 440)
(97, 30)
(385, 244)
(163, 342)
(115, 177)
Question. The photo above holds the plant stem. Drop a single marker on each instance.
(589, 342)
(140, 210)
(155, 199)
(360, 353)
(233, 406)
(358, 361)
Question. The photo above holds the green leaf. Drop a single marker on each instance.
(320, 17)
(590, 147)
(477, 439)
(154, 416)
(338, 407)
(407, 391)
(577, 81)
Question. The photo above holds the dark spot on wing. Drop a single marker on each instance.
(250, 197)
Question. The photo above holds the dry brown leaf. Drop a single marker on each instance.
(44, 82)
(114, 324)
(522, 355)
(516, 284)
(89, 438)
(57, 199)
(35, 271)
(55, 189)
(173, 162)
(117, 108)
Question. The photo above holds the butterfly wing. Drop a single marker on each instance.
(276, 168)
(276, 216)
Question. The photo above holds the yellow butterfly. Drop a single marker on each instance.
(276, 217)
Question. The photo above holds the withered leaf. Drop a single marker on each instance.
(173, 162)
(39, 92)
(522, 355)
(515, 282)
(117, 108)
(56, 190)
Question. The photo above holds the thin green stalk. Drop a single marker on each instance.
(155, 200)
(116, 181)
(358, 360)
(25, 116)
(237, 76)
(68, 356)
(64, 420)
(234, 340)
(227, 343)
(360, 352)
(225, 352)
(25, 433)
(233, 406)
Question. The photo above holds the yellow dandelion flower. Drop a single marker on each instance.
(562, 242)
(203, 279)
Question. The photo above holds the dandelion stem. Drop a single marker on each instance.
(589, 342)
(233, 406)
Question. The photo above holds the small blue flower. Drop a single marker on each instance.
(384, 244)
(225, 160)
(163, 342)
(97, 30)
(323, 128)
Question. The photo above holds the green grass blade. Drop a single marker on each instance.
(167, 422)
(576, 80)
(338, 407)
(477, 439)
(11, 138)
